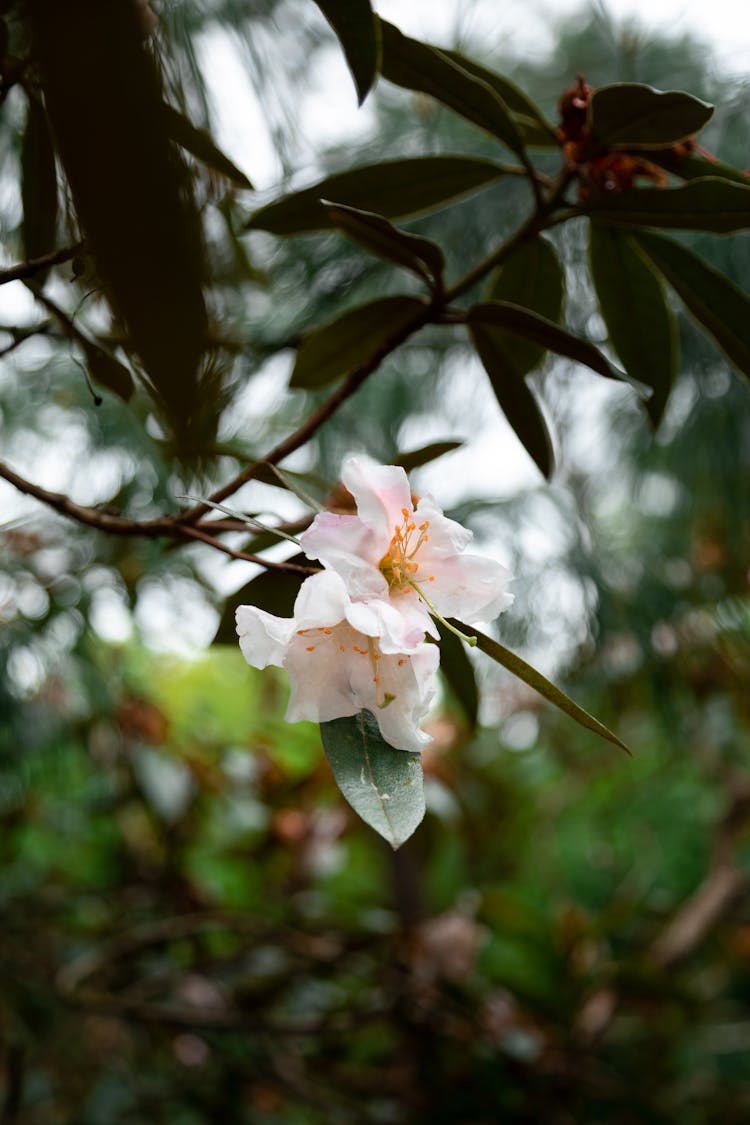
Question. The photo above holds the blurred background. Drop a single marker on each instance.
(193, 925)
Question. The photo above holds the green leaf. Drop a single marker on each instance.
(712, 299)
(540, 683)
(418, 66)
(394, 188)
(533, 278)
(384, 786)
(200, 145)
(690, 166)
(275, 591)
(376, 234)
(640, 324)
(514, 398)
(358, 33)
(337, 348)
(530, 326)
(417, 457)
(629, 113)
(459, 673)
(532, 124)
(38, 186)
(710, 204)
(106, 370)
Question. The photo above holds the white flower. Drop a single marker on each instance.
(358, 636)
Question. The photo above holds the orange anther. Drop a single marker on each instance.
(342, 648)
(311, 648)
(376, 679)
(424, 526)
(328, 632)
(405, 513)
(402, 661)
(431, 578)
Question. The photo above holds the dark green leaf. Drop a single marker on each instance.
(105, 369)
(540, 683)
(533, 278)
(431, 452)
(38, 186)
(639, 321)
(376, 234)
(384, 786)
(514, 398)
(459, 673)
(200, 145)
(530, 326)
(275, 591)
(629, 113)
(337, 348)
(394, 188)
(715, 302)
(531, 122)
(358, 33)
(418, 66)
(690, 166)
(712, 204)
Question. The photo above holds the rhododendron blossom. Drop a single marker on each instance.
(358, 637)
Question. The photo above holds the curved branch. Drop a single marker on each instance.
(24, 270)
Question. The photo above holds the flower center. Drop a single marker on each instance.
(398, 565)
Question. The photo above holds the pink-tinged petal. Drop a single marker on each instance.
(381, 493)
(409, 684)
(381, 619)
(320, 675)
(469, 587)
(347, 546)
(263, 637)
(322, 601)
(414, 612)
(445, 535)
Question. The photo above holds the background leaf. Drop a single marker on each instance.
(416, 457)
(630, 113)
(376, 234)
(394, 188)
(335, 349)
(275, 591)
(712, 204)
(358, 33)
(530, 121)
(384, 786)
(38, 186)
(717, 303)
(533, 278)
(105, 369)
(201, 145)
(459, 674)
(640, 324)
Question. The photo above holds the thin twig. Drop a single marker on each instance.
(24, 270)
(195, 533)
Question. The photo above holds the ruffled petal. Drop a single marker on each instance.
(408, 683)
(469, 587)
(263, 637)
(322, 601)
(320, 666)
(395, 632)
(381, 493)
(348, 546)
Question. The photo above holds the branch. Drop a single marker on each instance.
(196, 533)
(24, 270)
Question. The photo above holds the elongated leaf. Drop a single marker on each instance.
(384, 786)
(105, 369)
(275, 591)
(691, 166)
(426, 453)
(337, 348)
(540, 683)
(358, 33)
(514, 398)
(200, 144)
(629, 113)
(459, 673)
(38, 186)
(418, 66)
(496, 314)
(376, 234)
(533, 278)
(394, 188)
(531, 122)
(710, 204)
(713, 300)
(639, 322)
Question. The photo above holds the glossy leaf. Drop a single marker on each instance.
(38, 186)
(393, 188)
(640, 324)
(427, 453)
(531, 122)
(712, 299)
(459, 673)
(376, 234)
(106, 370)
(418, 66)
(711, 204)
(275, 591)
(519, 667)
(200, 144)
(384, 786)
(533, 278)
(629, 113)
(530, 326)
(357, 31)
(334, 350)
(514, 397)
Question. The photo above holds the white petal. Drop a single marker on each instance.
(348, 546)
(320, 675)
(263, 637)
(381, 493)
(445, 534)
(322, 601)
(395, 632)
(410, 682)
(468, 587)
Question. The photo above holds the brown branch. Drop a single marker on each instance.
(24, 270)
(195, 533)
